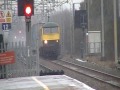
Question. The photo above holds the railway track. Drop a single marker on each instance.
(30, 66)
(44, 68)
(33, 65)
(92, 73)
(47, 70)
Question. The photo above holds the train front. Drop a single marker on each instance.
(50, 40)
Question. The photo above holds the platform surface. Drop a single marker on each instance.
(50, 82)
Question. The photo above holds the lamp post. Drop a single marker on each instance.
(102, 32)
(72, 30)
(115, 30)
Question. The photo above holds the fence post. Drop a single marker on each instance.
(37, 58)
(2, 67)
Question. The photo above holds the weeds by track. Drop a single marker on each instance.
(92, 73)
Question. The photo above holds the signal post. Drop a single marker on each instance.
(28, 30)
(26, 8)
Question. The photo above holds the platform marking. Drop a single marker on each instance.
(40, 83)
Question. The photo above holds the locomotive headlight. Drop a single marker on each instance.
(45, 42)
(56, 40)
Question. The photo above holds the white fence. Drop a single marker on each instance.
(94, 47)
(26, 60)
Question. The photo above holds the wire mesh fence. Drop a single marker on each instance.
(26, 60)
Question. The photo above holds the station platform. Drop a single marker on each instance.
(49, 82)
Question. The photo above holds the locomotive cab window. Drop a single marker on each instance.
(50, 30)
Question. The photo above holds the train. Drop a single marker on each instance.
(50, 39)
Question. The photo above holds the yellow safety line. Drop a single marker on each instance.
(40, 83)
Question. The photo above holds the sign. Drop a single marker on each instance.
(8, 16)
(5, 16)
(6, 26)
(80, 19)
(2, 16)
(7, 58)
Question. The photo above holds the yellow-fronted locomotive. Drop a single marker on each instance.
(50, 38)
